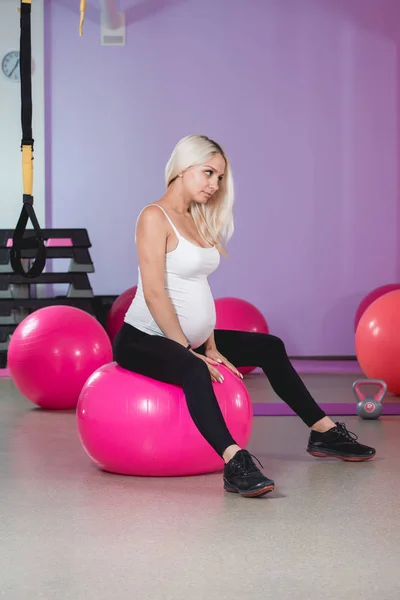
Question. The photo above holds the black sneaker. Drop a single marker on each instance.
(338, 443)
(242, 476)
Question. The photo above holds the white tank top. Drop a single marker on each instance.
(185, 276)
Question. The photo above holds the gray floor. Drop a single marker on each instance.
(331, 530)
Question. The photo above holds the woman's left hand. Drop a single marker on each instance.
(217, 356)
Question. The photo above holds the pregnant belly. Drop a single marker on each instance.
(195, 309)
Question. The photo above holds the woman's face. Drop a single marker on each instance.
(201, 182)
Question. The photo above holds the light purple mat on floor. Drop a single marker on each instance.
(278, 409)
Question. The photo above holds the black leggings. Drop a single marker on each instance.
(165, 360)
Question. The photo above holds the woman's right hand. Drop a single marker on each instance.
(215, 374)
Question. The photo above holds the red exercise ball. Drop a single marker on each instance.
(240, 315)
(116, 314)
(371, 297)
(377, 340)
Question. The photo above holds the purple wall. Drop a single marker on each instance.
(304, 97)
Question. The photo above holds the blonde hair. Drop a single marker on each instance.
(215, 218)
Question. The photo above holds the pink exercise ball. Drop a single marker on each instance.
(377, 340)
(133, 425)
(371, 297)
(52, 353)
(116, 314)
(240, 315)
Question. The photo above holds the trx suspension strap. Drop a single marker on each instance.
(35, 242)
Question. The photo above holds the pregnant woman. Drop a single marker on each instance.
(169, 335)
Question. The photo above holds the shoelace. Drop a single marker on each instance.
(247, 464)
(349, 435)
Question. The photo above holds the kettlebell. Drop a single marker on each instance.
(369, 407)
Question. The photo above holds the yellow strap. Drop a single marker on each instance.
(27, 157)
(27, 169)
(82, 9)
(24, 2)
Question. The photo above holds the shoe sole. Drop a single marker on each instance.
(250, 494)
(346, 458)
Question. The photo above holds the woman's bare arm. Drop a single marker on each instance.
(151, 242)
